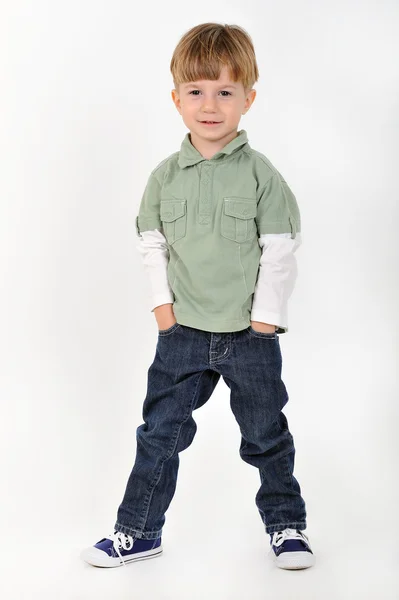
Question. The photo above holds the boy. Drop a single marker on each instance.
(217, 228)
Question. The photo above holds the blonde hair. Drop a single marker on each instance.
(206, 48)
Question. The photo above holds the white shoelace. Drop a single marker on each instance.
(121, 540)
(288, 534)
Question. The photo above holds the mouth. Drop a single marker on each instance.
(210, 122)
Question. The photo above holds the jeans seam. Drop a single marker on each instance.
(169, 331)
(175, 439)
(265, 337)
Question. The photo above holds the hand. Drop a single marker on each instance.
(165, 324)
(165, 316)
(263, 327)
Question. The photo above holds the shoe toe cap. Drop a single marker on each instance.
(93, 555)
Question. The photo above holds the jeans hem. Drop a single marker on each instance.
(281, 526)
(136, 533)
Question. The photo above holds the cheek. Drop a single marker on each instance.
(230, 111)
(189, 108)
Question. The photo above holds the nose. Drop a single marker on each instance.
(208, 104)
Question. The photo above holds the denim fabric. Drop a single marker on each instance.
(187, 366)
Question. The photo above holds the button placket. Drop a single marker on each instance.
(205, 205)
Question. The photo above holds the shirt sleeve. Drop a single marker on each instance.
(148, 217)
(153, 247)
(276, 279)
(277, 208)
(279, 229)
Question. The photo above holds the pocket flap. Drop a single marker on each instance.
(242, 208)
(170, 210)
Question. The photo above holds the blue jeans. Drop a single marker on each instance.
(187, 366)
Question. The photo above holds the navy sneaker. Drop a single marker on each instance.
(119, 548)
(290, 549)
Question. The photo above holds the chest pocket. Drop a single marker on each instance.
(174, 219)
(238, 218)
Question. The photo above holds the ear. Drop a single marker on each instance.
(176, 99)
(249, 100)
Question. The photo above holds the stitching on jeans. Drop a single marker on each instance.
(165, 332)
(265, 335)
(175, 439)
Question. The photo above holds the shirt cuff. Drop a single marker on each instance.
(162, 298)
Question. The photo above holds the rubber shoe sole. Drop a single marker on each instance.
(293, 560)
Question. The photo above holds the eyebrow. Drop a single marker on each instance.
(187, 85)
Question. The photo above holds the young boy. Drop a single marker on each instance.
(217, 228)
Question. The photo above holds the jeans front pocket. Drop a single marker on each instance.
(173, 215)
(272, 335)
(169, 330)
(238, 218)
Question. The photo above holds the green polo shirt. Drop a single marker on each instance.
(212, 212)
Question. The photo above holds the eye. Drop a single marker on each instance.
(222, 92)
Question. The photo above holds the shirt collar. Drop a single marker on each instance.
(189, 155)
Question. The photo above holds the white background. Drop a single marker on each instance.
(85, 115)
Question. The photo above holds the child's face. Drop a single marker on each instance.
(206, 100)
